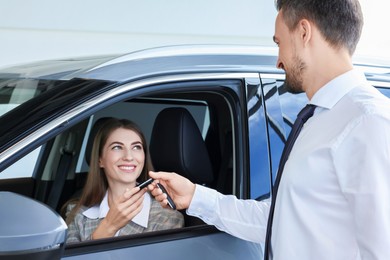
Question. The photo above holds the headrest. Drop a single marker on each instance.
(177, 145)
(95, 128)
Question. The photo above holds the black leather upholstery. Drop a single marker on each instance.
(177, 145)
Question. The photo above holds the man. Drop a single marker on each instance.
(332, 201)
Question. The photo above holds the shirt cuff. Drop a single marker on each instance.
(203, 203)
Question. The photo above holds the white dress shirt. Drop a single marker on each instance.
(100, 211)
(333, 198)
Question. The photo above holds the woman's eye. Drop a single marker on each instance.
(116, 147)
(137, 147)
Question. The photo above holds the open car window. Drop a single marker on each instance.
(210, 110)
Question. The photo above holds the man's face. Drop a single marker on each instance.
(289, 59)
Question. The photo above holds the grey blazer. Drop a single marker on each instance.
(81, 228)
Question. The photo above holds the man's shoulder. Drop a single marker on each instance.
(368, 100)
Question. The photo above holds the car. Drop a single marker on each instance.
(239, 115)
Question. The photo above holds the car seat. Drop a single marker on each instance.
(177, 145)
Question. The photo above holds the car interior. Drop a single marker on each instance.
(187, 133)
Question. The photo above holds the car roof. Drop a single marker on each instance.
(159, 60)
(186, 58)
(172, 59)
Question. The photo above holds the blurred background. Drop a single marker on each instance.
(48, 29)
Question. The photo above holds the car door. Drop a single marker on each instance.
(216, 101)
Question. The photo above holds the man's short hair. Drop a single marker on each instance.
(339, 21)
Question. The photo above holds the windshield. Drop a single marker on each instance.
(14, 92)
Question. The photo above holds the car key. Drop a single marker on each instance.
(145, 183)
(149, 181)
(170, 201)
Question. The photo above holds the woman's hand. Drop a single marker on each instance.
(120, 213)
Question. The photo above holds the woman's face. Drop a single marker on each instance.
(123, 157)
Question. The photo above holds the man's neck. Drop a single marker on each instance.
(325, 68)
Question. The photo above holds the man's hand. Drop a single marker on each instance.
(180, 189)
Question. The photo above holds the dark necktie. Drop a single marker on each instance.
(302, 117)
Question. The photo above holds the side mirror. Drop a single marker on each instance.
(29, 229)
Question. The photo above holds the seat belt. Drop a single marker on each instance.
(67, 152)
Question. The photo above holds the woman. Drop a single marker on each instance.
(111, 204)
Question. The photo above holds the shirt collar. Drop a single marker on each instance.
(328, 96)
(100, 211)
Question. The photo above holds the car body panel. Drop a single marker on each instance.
(211, 246)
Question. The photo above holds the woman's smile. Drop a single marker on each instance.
(127, 168)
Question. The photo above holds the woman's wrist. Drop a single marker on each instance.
(104, 230)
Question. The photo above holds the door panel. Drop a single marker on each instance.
(211, 246)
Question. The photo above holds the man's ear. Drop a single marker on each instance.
(305, 31)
